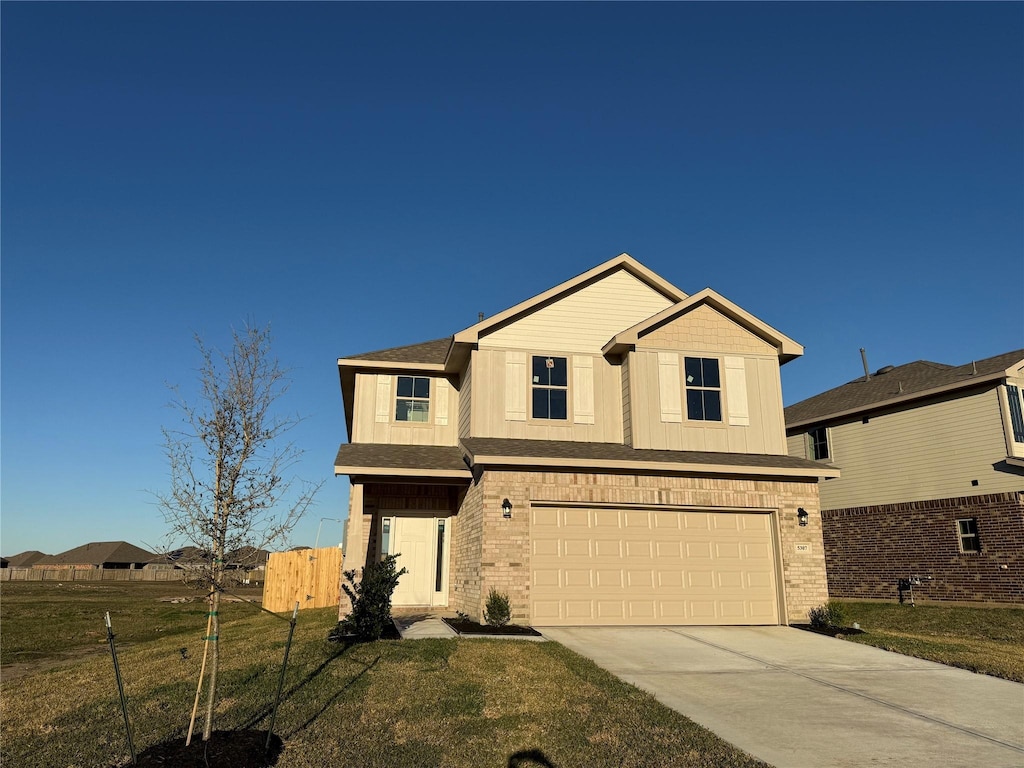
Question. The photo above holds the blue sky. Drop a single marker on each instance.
(366, 176)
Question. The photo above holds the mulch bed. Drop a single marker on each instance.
(829, 631)
(225, 749)
(467, 627)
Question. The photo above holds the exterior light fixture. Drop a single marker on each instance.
(801, 515)
(506, 508)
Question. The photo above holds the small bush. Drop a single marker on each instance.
(371, 600)
(498, 611)
(831, 614)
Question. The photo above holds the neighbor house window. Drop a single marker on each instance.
(818, 440)
(550, 388)
(968, 532)
(1016, 416)
(703, 389)
(413, 401)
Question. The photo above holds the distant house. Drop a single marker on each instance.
(25, 559)
(184, 558)
(99, 554)
(247, 558)
(932, 484)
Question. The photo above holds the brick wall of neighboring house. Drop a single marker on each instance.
(491, 551)
(869, 548)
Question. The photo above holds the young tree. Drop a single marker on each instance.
(228, 467)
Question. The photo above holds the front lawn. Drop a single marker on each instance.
(392, 703)
(986, 640)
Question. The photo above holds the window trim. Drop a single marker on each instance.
(548, 421)
(970, 535)
(723, 420)
(1015, 403)
(429, 421)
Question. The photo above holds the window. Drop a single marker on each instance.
(413, 401)
(550, 387)
(703, 389)
(1016, 417)
(817, 438)
(968, 532)
(385, 537)
(438, 583)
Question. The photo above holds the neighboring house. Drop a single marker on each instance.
(185, 558)
(99, 554)
(933, 479)
(25, 559)
(611, 451)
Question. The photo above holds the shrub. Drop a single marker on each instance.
(371, 600)
(498, 611)
(831, 614)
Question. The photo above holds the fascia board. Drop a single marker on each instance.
(348, 362)
(458, 474)
(655, 466)
(965, 384)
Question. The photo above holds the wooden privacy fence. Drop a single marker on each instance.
(309, 577)
(108, 574)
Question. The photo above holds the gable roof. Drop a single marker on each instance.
(98, 553)
(621, 262)
(787, 348)
(25, 559)
(904, 383)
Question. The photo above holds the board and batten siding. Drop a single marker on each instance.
(374, 413)
(500, 411)
(583, 321)
(930, 451)
(627, 407)
(756, 428)
(465, 401)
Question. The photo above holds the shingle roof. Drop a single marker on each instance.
(409, 457)
(99, 552)
(25, 559)
(430, 352)
(560, 449)
(899, 383)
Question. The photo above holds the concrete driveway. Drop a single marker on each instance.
(799, 700)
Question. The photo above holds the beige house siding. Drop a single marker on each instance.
(374, 413)
(582, 321)
(932, 451)
(627, 403)
(466, 402)
(504, 560)
(764, 432)
(490, 417)
(705, 329)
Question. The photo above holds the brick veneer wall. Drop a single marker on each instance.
(504, 544)
(868, 548)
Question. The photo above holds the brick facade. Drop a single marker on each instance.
(490, 551)
(868, 548)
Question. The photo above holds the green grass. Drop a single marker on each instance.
(985, 640)
(393, 703)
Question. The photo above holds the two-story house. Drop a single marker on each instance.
(610, 451)
(932, 483)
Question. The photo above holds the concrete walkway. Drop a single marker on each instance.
(800, 700)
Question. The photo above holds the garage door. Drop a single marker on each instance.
(625, 566)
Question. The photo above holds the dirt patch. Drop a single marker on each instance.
(20, 669)
(225, 749)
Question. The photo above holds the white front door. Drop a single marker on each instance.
(417, 543)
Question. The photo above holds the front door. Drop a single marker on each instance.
(421, 551)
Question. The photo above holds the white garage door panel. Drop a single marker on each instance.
(611, 566)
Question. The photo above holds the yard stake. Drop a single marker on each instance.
(120, 686)
(199, 687)
(280, 680)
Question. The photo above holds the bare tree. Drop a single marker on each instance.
(228, 467)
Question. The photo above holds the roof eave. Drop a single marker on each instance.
(900, 399)
(454, 474)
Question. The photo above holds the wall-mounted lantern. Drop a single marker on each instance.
(801, 515)
(506, 508)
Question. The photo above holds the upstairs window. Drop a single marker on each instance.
(550, 388)
(968, 532)
(817, 440)
(413, 400)
(1016, 416)
(703, 389)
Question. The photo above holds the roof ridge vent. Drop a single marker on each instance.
(884, 369)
